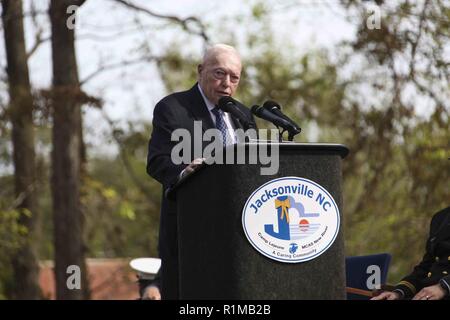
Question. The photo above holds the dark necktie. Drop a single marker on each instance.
(220, 124)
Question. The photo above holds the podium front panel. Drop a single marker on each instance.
(216, 261)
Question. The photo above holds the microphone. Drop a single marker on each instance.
(278, 121)
(228, 104)
(275, 108)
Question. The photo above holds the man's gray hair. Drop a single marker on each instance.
(215, 50)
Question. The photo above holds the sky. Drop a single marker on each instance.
(107, 34)
(317, 25)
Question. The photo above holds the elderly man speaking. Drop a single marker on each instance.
(218, 75)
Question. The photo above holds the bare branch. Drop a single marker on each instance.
(21, 197)
(32, 13)
(78, 3)
(428, 91)
(38, 41)
(120, 64)
(415, 43)
(112, 36)
(185, 23)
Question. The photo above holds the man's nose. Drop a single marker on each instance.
(226, 81)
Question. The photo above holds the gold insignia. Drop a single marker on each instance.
(429, 274)
(409, 285)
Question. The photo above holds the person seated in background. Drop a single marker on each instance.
(150, 289)
(148, 271)
(430, 279)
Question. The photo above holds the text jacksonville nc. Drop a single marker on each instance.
(288, 190)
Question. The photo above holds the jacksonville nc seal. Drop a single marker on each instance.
(291, 219)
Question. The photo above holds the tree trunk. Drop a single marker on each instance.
(66, 155)
(24, 261)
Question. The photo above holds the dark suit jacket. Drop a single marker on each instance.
(435, 264)
(178, 110)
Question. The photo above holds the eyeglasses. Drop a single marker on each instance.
(221, 74)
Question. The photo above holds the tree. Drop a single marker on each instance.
(67, 153)
(398, 166)
(24, 261)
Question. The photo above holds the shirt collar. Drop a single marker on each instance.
(208, 103)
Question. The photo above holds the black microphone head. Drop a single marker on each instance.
(256, 110)
(270, 104)
(224, 102)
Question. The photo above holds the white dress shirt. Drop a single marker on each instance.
(226, 117)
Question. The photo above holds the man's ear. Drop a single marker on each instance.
(199, 69)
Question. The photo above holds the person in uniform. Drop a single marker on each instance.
(148, 272)
(430, 279)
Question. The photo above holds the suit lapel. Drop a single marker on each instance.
(442, 232)
(198, 108)
(200, 112)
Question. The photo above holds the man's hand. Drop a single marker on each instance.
(151, 293)
(387, 295)
(430, 293)
(193, 166)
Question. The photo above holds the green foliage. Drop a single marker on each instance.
(120, 206)
(121, 202)
(11, 234)
(397, 173)
(178, 72)
(259, 10)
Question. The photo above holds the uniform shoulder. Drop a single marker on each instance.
(440, 215)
